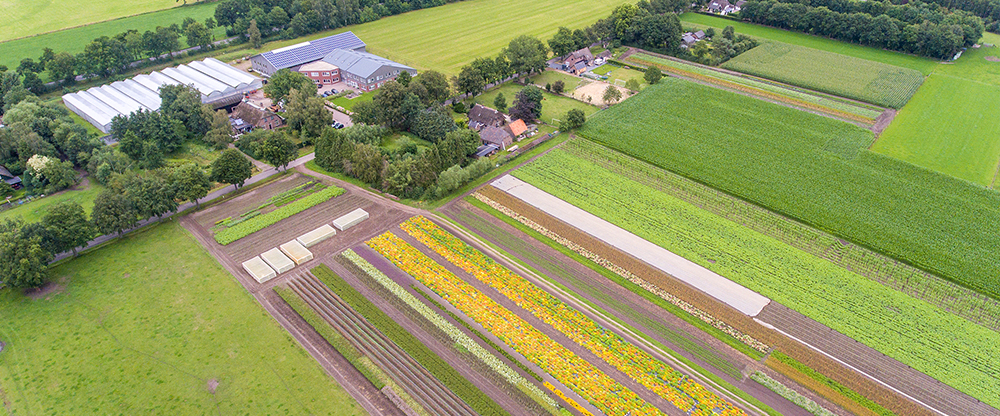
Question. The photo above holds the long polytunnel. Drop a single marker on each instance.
(218, 83)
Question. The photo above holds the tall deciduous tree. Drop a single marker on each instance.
(612, 95)
(69, 227)
(220, 132)
(190, 183)
(23, 261)
(232, 167)
(500, 103)
(306, 112)
(253, 33)
(652, 75)
(114, 212)
(278, 150)
(526, 54)
(562, 43)
(284, 81)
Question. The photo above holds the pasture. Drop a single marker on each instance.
(153, 325)
(75, 39)
(445, 38)
(813, 169)
(553, 106)
(924, 65)
(24, 18)
(628, 193)
(869, 81)
(83, 194)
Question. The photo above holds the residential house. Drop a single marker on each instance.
(321, 72)
(246, 117)
(578, 61)
(496, 136)
(516, 128)
(723, 7)
(690, 38)
(13, 181)
(481, 116)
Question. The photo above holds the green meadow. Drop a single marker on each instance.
(553, 106)
(153, 325)
(83, 194)
(24, 18)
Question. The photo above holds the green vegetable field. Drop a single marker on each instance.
(928, 338)
(813, 169)
(860, 79)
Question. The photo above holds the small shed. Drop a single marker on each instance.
(315, 236)
(278, 261)
(259, 270)
(486, 150)
(296, 251)
(497, 136)
(350, 219)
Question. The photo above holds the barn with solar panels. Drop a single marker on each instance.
(270, 62)
(220, 85)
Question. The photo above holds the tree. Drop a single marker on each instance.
(198, 35)
(114, 213)
(6, 190)
(306, 112)
(69, 227)
(562, 43)
(183, 103)
(434, 83)
(558, 87)
(612, 95)
(220, 132)
(190, 183)
(574, 119)
(62, 67)
(232, 167)
(632, 85)
(404, 78)
(470, 80)
(729, 33)
(23, 261)
(526, 54)
(152, 196)
(527, 104)
(432, 124)
(278, 150)
(284, 81)
(652, 75)
(33, 83)
(367, 163)
(253, 33)
(500, 102)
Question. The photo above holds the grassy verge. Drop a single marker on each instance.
(448, 376)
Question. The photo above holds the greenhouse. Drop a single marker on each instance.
(259, 270)
(219, 84)
(351, 219)
(277, 260)
(315, 236)
(296, 251)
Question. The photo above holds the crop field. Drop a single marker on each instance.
(930, 339)
(153, 325)
(924, 65)
(30, 17)
(946, 126)
(816, 170)
(445, 38)
(764, 89)
(75, 39)
(869, 81)
(553, 106)
(277, 208)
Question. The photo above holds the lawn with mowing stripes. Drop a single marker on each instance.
(74, 40)
(922, 64)
(24, 18)
(153, 325)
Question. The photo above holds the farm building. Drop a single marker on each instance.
(486, 150)
(268, 63)
(350, 219)
(247, 116)
(481, 116)
(259, 270)
(6, 176)
(316, 236)
(296, 251)
(277, 260)
(498, 136)
(219, 84)
(516, 128)
(578, 61)
(321, 72)
(363, 70)
(690, 38)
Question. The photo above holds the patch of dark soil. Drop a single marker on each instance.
(49, 288)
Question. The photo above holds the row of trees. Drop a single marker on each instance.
(523, 55)
(913, 29)
(717, 49)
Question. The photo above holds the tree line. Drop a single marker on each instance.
(523, 55)
(916, 27)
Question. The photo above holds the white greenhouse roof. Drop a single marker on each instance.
(218, 83)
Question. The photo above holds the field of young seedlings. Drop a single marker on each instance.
(928, 338)
(813, 169)
(869, 81)
(277, 208)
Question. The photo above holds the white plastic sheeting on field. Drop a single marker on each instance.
(725, 290)
(315, 236)
(278, 261)
(350, 219)
(296, 251)
(259, 270)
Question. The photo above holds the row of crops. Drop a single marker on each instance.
(773, 156)
(584, 378)
(929, 339)
(760, 88)
(860, 79)
(653, 374)
(289, 205)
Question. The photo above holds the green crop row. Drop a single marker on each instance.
(792, 395)
(927, 338)
(869, 81)
(827, 381)
(257, 223)
(437, 366)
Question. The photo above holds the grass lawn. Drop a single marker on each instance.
(550, 77)
(949, 125)
(193, 151)
(348, 104)
(924, 65)
(392, 142)
(143, 326)
(447, 37)
(553, 106)
(31, 17)
(34, 211)
(75, 39)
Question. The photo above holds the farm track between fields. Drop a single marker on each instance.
(410, 375)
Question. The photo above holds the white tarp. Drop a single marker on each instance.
(350, 219)
(315, 236)
(725, 290)
(278, 261)
(259, 270)
(296, 251)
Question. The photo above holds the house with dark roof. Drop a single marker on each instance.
(722, 7)
(13, 181)
(578, 61)
(496, 136)
(268, 63)
(363, 70)
(481, 116)
(246, 117)
(690, 38)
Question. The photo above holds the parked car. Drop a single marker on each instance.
(337, 125)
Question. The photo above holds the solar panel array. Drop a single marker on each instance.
(313, 50)
(212, 78)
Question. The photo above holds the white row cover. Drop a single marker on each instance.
(315, 236)
(350, 219)
(278, 261)
(215, 80)
(259, 270)
(296, 251)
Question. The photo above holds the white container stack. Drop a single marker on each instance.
(259, 270)
(278, 261)
(315, 236)
(350, 219)
(296, 251)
